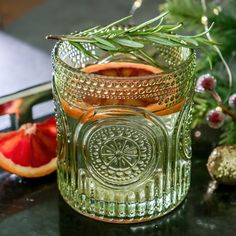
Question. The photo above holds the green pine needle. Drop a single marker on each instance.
(133, 39)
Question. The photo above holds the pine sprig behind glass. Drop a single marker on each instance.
(224, 32)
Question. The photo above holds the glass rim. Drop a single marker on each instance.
(56, 59)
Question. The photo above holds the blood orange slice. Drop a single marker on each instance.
(124, 70)
(31, 150)
(11, 107)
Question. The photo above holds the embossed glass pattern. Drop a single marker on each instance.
(124, 144)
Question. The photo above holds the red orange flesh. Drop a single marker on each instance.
(31, 150)
(121, 69)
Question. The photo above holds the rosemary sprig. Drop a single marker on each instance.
(112, 38)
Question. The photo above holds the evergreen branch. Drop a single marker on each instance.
(229, 134)
(203, 33)
(84, 50)
(227, 68)
(114, 24)
(132, 39)
(224, 31)
(200, 109)
(147, 23)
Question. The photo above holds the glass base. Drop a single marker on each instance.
(125, 221)
(121, 212)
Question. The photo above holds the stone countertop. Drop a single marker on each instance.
(34, 208)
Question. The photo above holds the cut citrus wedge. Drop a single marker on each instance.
(31, 150)
(11, 107)
(123, 70)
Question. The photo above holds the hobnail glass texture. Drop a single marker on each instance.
(124, 149)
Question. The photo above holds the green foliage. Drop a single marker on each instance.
(133, 39)
(190, 12)
(200, 109)
(187, 11)
(224, 32)
(229, 135)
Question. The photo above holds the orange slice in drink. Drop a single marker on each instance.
(31, 150)
(123, 70)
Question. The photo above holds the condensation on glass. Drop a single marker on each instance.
(122, 163)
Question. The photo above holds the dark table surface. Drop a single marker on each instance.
(33, 207)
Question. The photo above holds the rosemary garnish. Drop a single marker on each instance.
(132, 40)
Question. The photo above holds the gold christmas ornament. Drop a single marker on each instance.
(222, 164)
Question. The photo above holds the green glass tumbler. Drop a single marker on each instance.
(124, 144)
